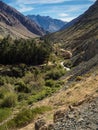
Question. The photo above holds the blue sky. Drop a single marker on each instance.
(65, 10)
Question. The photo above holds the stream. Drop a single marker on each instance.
(66, 68)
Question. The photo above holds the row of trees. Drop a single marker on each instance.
(32, 52)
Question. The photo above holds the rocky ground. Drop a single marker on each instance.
(83, 118)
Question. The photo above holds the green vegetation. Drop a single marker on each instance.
(24, 117)
(55, 74)
(9, 100)
(4, 113)
(23, 51)
(26, 77)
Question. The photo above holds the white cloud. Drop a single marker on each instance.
(67, 19)
(63, 14)
(65, 11)
(23, 8)
(40, 1)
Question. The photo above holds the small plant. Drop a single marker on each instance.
(9, 100)
(2, 81)
(22, 87)
(22, 96)
(55, 74)
(49, 83)
(4, 113)
(79, 78)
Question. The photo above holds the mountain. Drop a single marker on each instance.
(16, 24)
(47, 23)
(81, 38)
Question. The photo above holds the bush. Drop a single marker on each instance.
(49, 83)
(23, 118)
(40, 95)
(79, 78)
(17, 72)
(4, 113)
(22, 87)
(9, 100)
(55, 74)
(2, 81)
(3, 92)
(22, 96)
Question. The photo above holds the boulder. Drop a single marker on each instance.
(58, 115)
(39, 124)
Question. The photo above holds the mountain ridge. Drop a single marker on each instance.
(47, 23)
(11, 18)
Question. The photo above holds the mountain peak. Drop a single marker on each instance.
(1, 2)
(47, 23)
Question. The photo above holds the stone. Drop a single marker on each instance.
(80, 120)
(58, 115)
(50, 126)
(44, 127)
(39, 123)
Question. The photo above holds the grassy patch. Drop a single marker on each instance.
(9, 100)
(24, 117)
(4, 113)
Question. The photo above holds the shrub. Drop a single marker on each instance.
(41, 110)
(22, 87)
(22, 96)
(57, 85)
(49, 83)
(40, 95)
(55, 74)
(79, 78)
(17, 72)
(2, 81)
(4, 113)
(9, 100)
(23, 118)
(3, 92)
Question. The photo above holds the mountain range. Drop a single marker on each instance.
(16, 24)
(47, 23)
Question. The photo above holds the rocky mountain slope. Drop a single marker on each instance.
(71, 23)
(16, 24)
(81, 38)
(47, 23)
